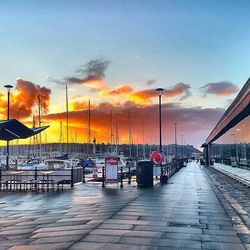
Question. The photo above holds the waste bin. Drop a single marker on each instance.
(144, 173)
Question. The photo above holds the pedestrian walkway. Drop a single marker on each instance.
(239, 174)
(183, 214)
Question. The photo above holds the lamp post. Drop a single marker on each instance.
(236, 149)
(160, 91)
(8, 87)
(182, 147)
(175, 138)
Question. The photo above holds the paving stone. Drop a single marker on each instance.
(133, 222)
(101, 238)
(222, 246)
(139, 241)
(17, 232)
(220, 238)
(181, 236)
(105, 246)
(149, 228)
(219, 232)
(61, 233)
(64, 228)
(179, 243)
(55, 246)
(57, 239)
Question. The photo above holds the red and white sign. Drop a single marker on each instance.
(156, 157)
(111, 169)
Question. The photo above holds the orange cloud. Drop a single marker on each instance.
(121, 90)
(25, 98)
(189, 119)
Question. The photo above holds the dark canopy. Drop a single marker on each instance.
(13, 129)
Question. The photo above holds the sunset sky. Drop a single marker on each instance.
(115, 53)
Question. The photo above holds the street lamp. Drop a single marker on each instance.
(175, 138)
(235, 146)
(160, 91)
(8, 87)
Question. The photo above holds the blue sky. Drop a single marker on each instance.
(171, 41)
(194, 42)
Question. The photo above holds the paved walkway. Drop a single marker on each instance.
(239, 174)
(186, 213)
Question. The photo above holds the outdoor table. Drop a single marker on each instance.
(48, 174)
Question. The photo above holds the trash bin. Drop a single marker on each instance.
(144, 173)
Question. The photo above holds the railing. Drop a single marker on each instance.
(35, 180)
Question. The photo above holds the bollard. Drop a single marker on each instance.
(129, 174)
(103, 176)
(0, 179)
(83, 173)
(72, 177)
(121, 186)
(35, 178)
(161, 177)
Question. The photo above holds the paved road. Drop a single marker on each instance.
(190, 212)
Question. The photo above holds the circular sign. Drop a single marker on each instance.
(156, 157)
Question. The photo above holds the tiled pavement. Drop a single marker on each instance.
(186, 213)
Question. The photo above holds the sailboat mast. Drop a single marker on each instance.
(39, 121)
(143, 138)
(117, 138)
(111, 127)
(129, 134)
(67, 116)
(89, 129)
(61, 137)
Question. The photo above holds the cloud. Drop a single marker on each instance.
(179, 89)
(191, 121)
(222, 88)
(91, 75)
(25, 98)
(151, 82)
(121, 89)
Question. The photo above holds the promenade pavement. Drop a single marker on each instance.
(189, 212)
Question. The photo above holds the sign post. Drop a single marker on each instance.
(111, 169)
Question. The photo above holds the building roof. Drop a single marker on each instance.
(237, 111)
(13, 129)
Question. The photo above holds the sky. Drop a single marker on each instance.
(115, 54)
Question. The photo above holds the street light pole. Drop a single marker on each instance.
(182, 147)
(175, 139)
(8, 87)
(160, 90)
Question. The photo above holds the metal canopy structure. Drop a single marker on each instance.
(237, 111)
(13, 129)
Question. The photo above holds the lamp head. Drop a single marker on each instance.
(160, 90)
(8, 87)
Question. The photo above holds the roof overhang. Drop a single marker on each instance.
(237, 111)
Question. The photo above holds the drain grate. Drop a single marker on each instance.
(187, 225)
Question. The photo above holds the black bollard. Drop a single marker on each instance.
(35, 178)
(129, 174)
(121, 186)
(103, 176)
(0, 179)
(83, 173)
(72, 177)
